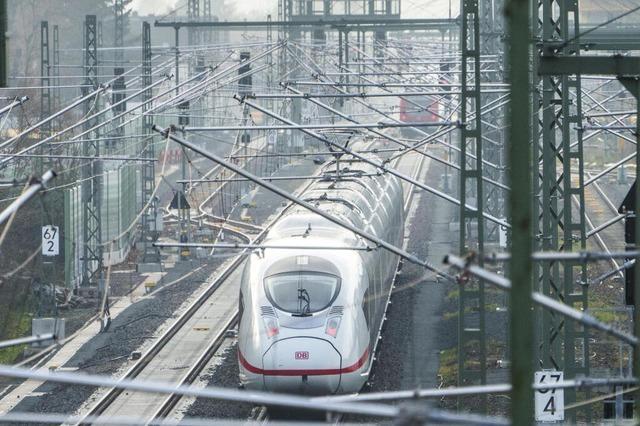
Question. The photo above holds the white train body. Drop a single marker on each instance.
(310, 318)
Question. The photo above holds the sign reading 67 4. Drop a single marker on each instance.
(549, 402)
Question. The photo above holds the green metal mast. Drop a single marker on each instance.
(92, 170)
(491, 31)
(151, 255)
(472, 356)
(45, 77)
(3, 43)
(119, 15)
(520, 212)
(559, 194)
(57, 101)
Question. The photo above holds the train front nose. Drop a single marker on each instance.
(304, 365)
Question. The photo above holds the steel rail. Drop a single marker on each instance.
(107, 399)
(220, 190)
(194, 372)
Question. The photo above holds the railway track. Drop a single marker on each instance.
(165, 349)
(174, 356)
(160, 348)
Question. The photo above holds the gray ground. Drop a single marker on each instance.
(106, 352)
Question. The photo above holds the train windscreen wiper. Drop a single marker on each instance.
(304, 301)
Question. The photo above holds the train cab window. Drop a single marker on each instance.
(302, 293)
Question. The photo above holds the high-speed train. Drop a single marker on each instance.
(310, 318)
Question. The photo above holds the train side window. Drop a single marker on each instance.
(240, 306)
(366, 308)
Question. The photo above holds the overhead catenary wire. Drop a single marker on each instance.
(212, 392)
(364, 234)
(547, 302)
(38, 338)
(375, 163)
(16, 102)
(580, 383)
(238, 246)
(327, 126)
(195, 95)
(53, 116)
(28, 194)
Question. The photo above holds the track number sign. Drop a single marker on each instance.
(549, 402)
(50, 240)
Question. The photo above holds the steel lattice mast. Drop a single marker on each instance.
(472, 349)
(91, 171)
(560, 223)
(151, 255)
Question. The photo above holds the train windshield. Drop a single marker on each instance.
(302, 293)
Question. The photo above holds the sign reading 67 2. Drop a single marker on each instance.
(50, 240)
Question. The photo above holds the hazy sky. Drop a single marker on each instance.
(259, 9)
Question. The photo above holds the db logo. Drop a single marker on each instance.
(302, 355)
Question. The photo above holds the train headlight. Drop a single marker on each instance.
(332, 326)
(271, 326)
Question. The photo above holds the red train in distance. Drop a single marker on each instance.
(410, 113)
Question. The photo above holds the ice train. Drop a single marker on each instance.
(310, 318)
